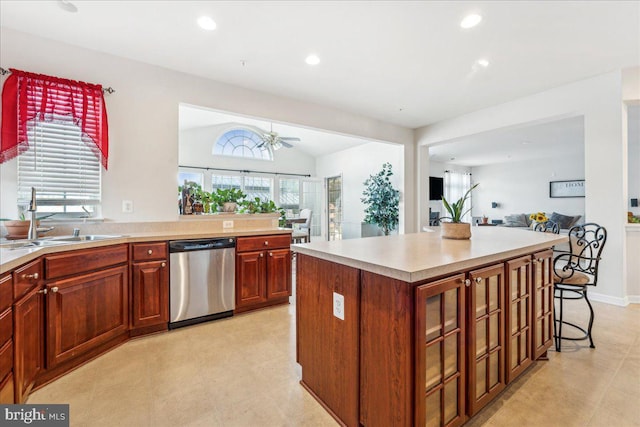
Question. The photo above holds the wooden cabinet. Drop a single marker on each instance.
(440, 375)
(28, 340)
(7, 390)
(485, 336)
(263, 276)
(149, 287)
(84, 312)
(518, 317)
(542, 305)
(6, 340)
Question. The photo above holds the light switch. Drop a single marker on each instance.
(338, 306)
(127, 206)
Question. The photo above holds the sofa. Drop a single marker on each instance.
(565, 222)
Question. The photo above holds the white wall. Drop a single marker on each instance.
(355, 165)
(195, 149)
(523, 187)
(143, 121)
(599, 100)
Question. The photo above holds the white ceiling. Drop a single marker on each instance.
(312, 142)
(559, 139)
(377, 57)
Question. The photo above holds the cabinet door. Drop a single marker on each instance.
(278, 273)
(518, 317)
(440, 353)
(542, 293)
(84, 312)
(150, 283)
(28, 342)
(251, 278)
(485, 336)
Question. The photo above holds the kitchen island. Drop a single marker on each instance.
(418, 330)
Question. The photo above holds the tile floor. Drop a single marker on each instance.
(242, 372)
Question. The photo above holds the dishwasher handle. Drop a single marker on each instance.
(201, 245)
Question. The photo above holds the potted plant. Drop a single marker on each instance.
(227, 199)
(17, 228)
(456, 229)
(382, 200)
(260, 206)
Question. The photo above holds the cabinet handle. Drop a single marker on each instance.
(539, 260)
(270, 253)
(164, 264)
(33, 276)
(478, 279)
(266, 243)
(466, 282)
(54, 289)
(43, 291)
(149, 251)
(261, 255)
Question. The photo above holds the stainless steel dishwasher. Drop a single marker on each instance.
(202, 280)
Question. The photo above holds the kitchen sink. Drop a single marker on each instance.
(85, 238)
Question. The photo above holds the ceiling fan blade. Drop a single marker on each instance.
(285, 144)
(289, 138)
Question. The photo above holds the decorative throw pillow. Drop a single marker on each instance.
(516, 220)
(564, 221)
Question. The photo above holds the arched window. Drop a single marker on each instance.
(242, 143)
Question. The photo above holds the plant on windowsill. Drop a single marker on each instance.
(227, 199)
(456, 229)
(381, 200)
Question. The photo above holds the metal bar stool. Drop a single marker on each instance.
(574, 272)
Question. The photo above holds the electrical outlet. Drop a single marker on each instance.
(127, 206)
(338, 306)
(227, 224)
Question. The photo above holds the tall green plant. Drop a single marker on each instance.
(382, 200)
(456, 209)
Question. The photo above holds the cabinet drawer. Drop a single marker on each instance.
(6, 292)
(26, 278)
(149, 251)
(6, 390)
(6, 358)
(263, 242)
(77, 262)
(6, 326)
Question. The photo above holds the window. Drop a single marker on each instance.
(455, 186)
(242, 143)
(64, 170)
(252, 186)
(58, 129)
(289, 193)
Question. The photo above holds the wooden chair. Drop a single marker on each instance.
(574, 272)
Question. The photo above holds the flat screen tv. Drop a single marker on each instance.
(436, 187)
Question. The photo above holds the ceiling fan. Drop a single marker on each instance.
(275, 141)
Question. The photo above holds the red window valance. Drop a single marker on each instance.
(29, 96)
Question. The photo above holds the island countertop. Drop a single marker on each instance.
(419, 256)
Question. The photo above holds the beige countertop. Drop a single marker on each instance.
(12, 258)
(420, 256)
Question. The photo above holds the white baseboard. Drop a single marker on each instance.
(634, 299)
(622, 302)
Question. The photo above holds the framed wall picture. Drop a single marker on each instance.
(573, 188)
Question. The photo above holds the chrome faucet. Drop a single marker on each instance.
(33, 207)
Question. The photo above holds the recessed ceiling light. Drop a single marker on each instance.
(470, 21)
(484, 63)
(312, 60)
(67, 6)
(206, 23)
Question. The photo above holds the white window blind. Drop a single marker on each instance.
(62, 168)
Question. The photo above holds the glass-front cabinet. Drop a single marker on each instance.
(440, 352)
